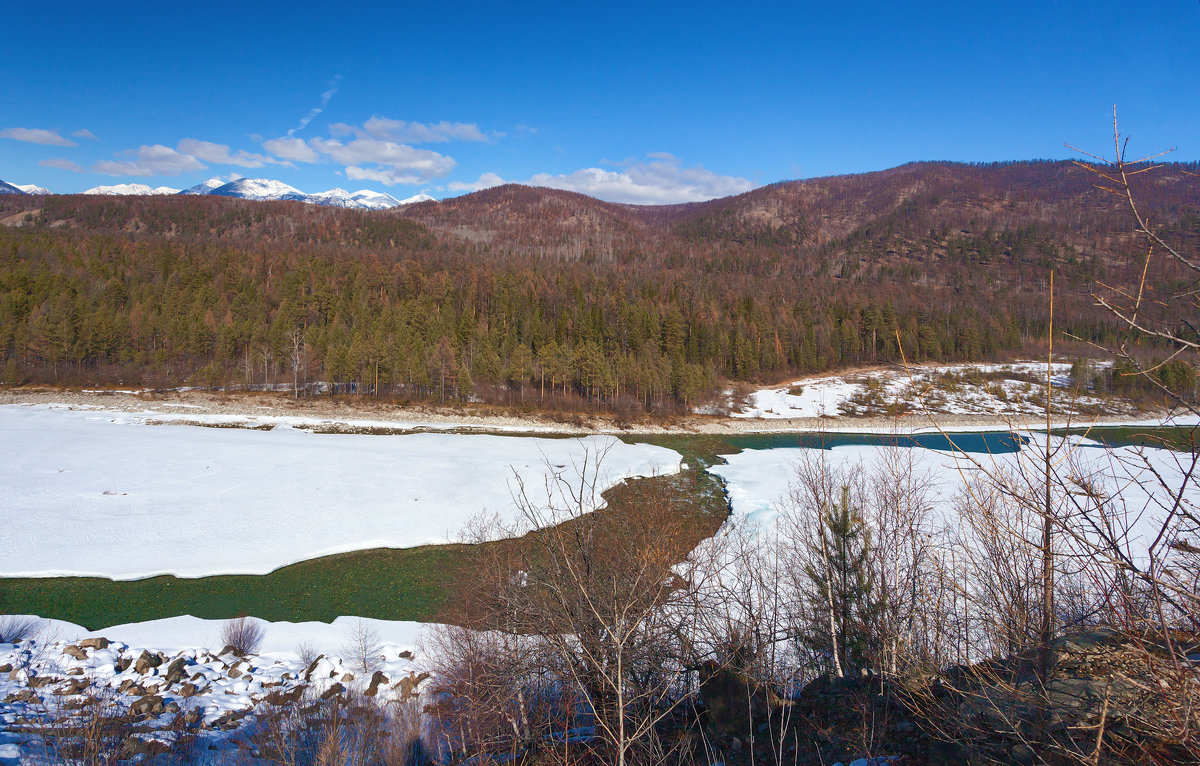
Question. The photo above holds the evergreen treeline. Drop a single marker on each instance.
(428, 303)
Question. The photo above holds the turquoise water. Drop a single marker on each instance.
(990, 442)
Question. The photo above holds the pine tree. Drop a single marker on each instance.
(843, 603)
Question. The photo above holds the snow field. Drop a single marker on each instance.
(831, 396)
(97, 494)
(757, 480)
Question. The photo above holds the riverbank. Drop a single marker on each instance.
(345, 414)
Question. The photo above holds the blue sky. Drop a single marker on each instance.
(630, 102)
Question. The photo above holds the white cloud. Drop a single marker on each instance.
(387, 176)
(401, 163)
(399, 131)
(36, 136)
(219, 154)
(661, 181)
(291, 149)
(156, 160)
(85, 133)
(62, 163)
(485, 181)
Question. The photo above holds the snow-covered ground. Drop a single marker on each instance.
(964, 389)
(757, 480)
(99, 493)
(220, 692)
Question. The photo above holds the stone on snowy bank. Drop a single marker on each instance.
(74, 651)
(147, 706)
(146, 661)
(332, 690)
(377, 680)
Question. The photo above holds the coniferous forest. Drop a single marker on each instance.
(520, 295)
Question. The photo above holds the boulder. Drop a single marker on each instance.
(24, 695)
(99, 642)
(75, 651)
(150, 705)
(73, 686)
(407, 686)
(176, 670)
(377, 680)
(280, 697)
(332, 691)
(147, 661)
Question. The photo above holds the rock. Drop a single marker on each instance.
(347, 678)
(175, 671)
(235, 671)
(146, 661)
(74, 686)
(227, 650)
(280, 697)
(6, 667)
(123, 664)
(38, 682)
(187, 690)
(377, 680)
(99, 642)
(332, 690)
(74, 651)
(1023, 754)
(24, 695)
(193, 716)
(150, 705)
(408, 685)
(405, 655)
(732, 700)
(75, 672)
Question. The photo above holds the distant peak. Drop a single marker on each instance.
(136, 190)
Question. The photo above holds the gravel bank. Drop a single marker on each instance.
(179, 404)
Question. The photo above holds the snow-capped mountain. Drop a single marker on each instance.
(9, 189)
(267, 189)
(418, 198)
(259, 189)
(32, 189)
(131, 189)
(204, 187)
(364, 198)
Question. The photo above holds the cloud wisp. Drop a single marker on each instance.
(85, 134)
(36, 136)
(316, 110)
(62, 163)
(402, 132)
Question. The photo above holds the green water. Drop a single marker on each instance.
(708, 450)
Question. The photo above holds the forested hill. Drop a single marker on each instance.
(518, 292)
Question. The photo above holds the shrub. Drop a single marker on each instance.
(16, 628)
(242, 635)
